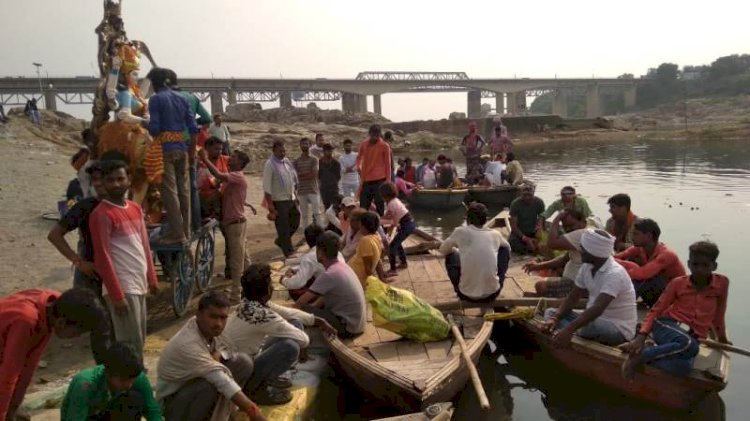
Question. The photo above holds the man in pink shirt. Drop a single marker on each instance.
(233, 218)
(122, 257)
(375, 168)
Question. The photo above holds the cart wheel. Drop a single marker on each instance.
(204, 261)
(181, 275)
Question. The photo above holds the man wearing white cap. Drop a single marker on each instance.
(610, 315)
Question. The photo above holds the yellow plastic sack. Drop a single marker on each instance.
(402, 312)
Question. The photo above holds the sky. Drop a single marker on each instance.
(338, 39)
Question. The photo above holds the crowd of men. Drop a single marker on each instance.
(612, 267)
(349, 207)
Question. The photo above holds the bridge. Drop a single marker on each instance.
(510, 94)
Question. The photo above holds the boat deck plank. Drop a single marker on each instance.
(384, 352)
(411, 351)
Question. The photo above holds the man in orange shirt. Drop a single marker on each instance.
(375, 168)
(27, 321)
(649, 262)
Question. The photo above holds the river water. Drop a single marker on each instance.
(694, 190)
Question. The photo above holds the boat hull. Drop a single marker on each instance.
(497, 196)
(602, 364)
(438, 198)
(393, 389)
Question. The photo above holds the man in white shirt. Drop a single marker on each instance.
(477, 269)
(221, 131)
(316, 150)
(610, 315)
(199, 376)
(309, 267)
(271, 334)
(349, 174)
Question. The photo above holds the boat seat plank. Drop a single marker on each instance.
(383, 352)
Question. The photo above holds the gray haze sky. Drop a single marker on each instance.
(294, 38)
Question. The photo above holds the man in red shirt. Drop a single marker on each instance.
(688, 309)
(375, 168)
(649, 262)
(27, 321)
(233, 219)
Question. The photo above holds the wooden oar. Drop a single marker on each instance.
(483, 401)
(505, 302)
(726, 347)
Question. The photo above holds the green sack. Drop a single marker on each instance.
(402, 312)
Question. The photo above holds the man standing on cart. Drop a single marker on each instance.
(170, 117)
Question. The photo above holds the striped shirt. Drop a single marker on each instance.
(122, 255)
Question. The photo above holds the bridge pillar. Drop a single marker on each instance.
(474, 104)
(521, 102)
(500, 102)
(560, 103)
(50, 100)
(232, 96)
(630, 97)
(285, 99)
(217, 102)
(592, 101)
(361, 103)
(512, 108)
(348, 102)
(377, 105)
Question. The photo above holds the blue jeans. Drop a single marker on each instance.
(453, 267)
(276, 357)
(371, 192)
(675, 348)
(406, 226)
(602, 331)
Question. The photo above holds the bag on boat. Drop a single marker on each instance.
(402, 312)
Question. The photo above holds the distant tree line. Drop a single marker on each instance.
(726, 76)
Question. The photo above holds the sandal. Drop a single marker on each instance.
(271, 396)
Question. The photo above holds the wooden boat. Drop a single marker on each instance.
(406, 374)
(438, 412)
(420, 242)
(602, 364)
(497, 196)
(438, 198)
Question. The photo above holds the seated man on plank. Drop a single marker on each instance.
(199, 376)
(689, 308)
(574, 224)
(649, 262)
(610, 314)
(271, 334)
(337, 295)
(477, 268)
